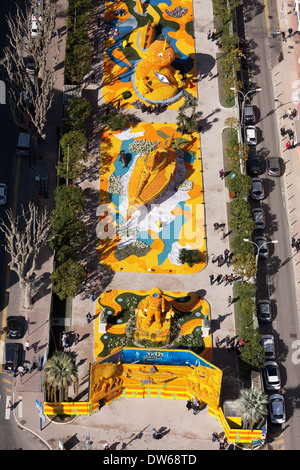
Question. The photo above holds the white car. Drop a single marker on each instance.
(33, 30)
(268, 343)
(277, 408)
(3, 193)
(251, 135)
(271, 375)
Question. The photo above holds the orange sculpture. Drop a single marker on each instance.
(155, 78)
(151, 175)
(147, 35)
(155, 308)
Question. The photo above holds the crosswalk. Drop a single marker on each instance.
(16, 408)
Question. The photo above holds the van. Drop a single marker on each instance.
(249, 114)
(12, 353)
(23, 144)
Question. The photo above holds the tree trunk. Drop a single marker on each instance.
(26, 285)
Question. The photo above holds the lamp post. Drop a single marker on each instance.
(258, 247)
(244, 101)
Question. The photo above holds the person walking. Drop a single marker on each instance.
(10, 405)
(155, 434)
(27, 345)
(76, 338)
(229, 301)
(290, 30)
(209, 34)
(88, 317)
(217, 341)
(216, 226)
(219, 279)
(211, 279)
(221, 173)
(227, 341)
(34, 347)
(199, 76)
(222, 234)
(196, 405)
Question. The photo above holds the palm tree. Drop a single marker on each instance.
(253, 406)
(60, 372)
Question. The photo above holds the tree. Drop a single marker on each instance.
(67, 279)
(253, 405)
(187, 124)
(241, 220)
(73, 146)
(244, 265)
(252, 352)
(60, 372)
(115, 120)
(68, 234)
(240, 185)
(23, 245)
(237, 154)
(78, 110)
(30, 113)
(69, 201)
(192, 256)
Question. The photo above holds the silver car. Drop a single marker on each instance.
(259, 219)
(268, 343)
(264, 310)
(277, 408)
(257, 190)
(273, 166)
(271, 375)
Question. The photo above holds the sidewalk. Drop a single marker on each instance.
(117, 423)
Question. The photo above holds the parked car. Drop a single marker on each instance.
(268, 343)
(30, 65)
(254, 165)
(271, 375)
(249, 114)
(3, 193)
(15, 326)
(273, 166)
(33, 28)
(264, 310)
(257, 190)
(263, 251)
(12, 356)
(277, 408)
(251, 135)
(259, 218)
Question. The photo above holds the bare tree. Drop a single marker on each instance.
(30, 96)
(24, 245)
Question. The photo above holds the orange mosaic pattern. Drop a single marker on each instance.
(184, 224)
(124, 51)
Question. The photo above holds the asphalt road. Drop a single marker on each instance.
(275, 278)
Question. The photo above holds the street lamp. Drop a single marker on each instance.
(244, 100)
(259, 247)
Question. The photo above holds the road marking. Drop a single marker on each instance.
(7, 410)
(267, 18)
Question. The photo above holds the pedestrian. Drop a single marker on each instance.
(221, 174)
(220, 260)
(290, 30)
(34, 347)
(105, 446)
(214, 437)
(225, 279)
(27, 344)
(227, 340)
(288, 145)
(222, 234)
(216, 226)
(210, 73)
(283, 38)
(211, 278)
(214, 258)
(226, 254)
(219, 279)
(189, 404)
(9, 405)
(282, 131)
(293, 242)
(289, 113)
(209, 34)
(76, 338)
(88, 317)
(155, 434)
(196, 405)
(199, 76)
(213, 36)
(229, 301)
(217, 342)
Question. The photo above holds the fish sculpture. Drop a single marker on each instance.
(151, 175)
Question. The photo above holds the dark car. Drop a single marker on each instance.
(259, 218)
(12, 356)
(273, 166)
(254, 165)
(15, 327)
(264, 310)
